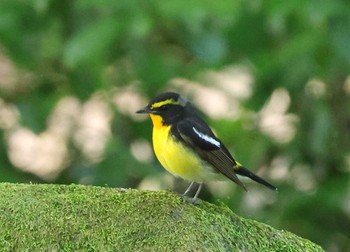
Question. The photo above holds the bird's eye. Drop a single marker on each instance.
(164, 107)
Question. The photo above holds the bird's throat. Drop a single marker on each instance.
(157, 120)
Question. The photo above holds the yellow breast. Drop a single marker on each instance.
(177, 158)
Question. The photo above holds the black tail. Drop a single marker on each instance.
(245, 172)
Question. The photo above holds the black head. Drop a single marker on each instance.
(170, 106)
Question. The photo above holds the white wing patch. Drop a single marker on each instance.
(206, 137)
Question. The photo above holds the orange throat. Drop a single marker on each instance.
(157, 121)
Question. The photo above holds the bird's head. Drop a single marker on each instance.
(166, 108)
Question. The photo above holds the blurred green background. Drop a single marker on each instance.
(271, 77)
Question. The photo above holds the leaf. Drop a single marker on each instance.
(92, 42)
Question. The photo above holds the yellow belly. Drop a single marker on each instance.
(180, 161)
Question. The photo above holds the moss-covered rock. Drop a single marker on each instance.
(87, 218)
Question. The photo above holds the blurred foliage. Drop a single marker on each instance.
(51, 49)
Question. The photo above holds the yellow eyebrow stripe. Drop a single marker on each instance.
(161, 103)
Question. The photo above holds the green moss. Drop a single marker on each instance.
(86, 218)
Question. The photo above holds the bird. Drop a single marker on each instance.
(185, 145)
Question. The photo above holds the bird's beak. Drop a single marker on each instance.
(145, 110)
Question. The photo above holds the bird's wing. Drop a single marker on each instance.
(197, 135)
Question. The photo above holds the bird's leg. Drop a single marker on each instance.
(197, 193)
(188, 189)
